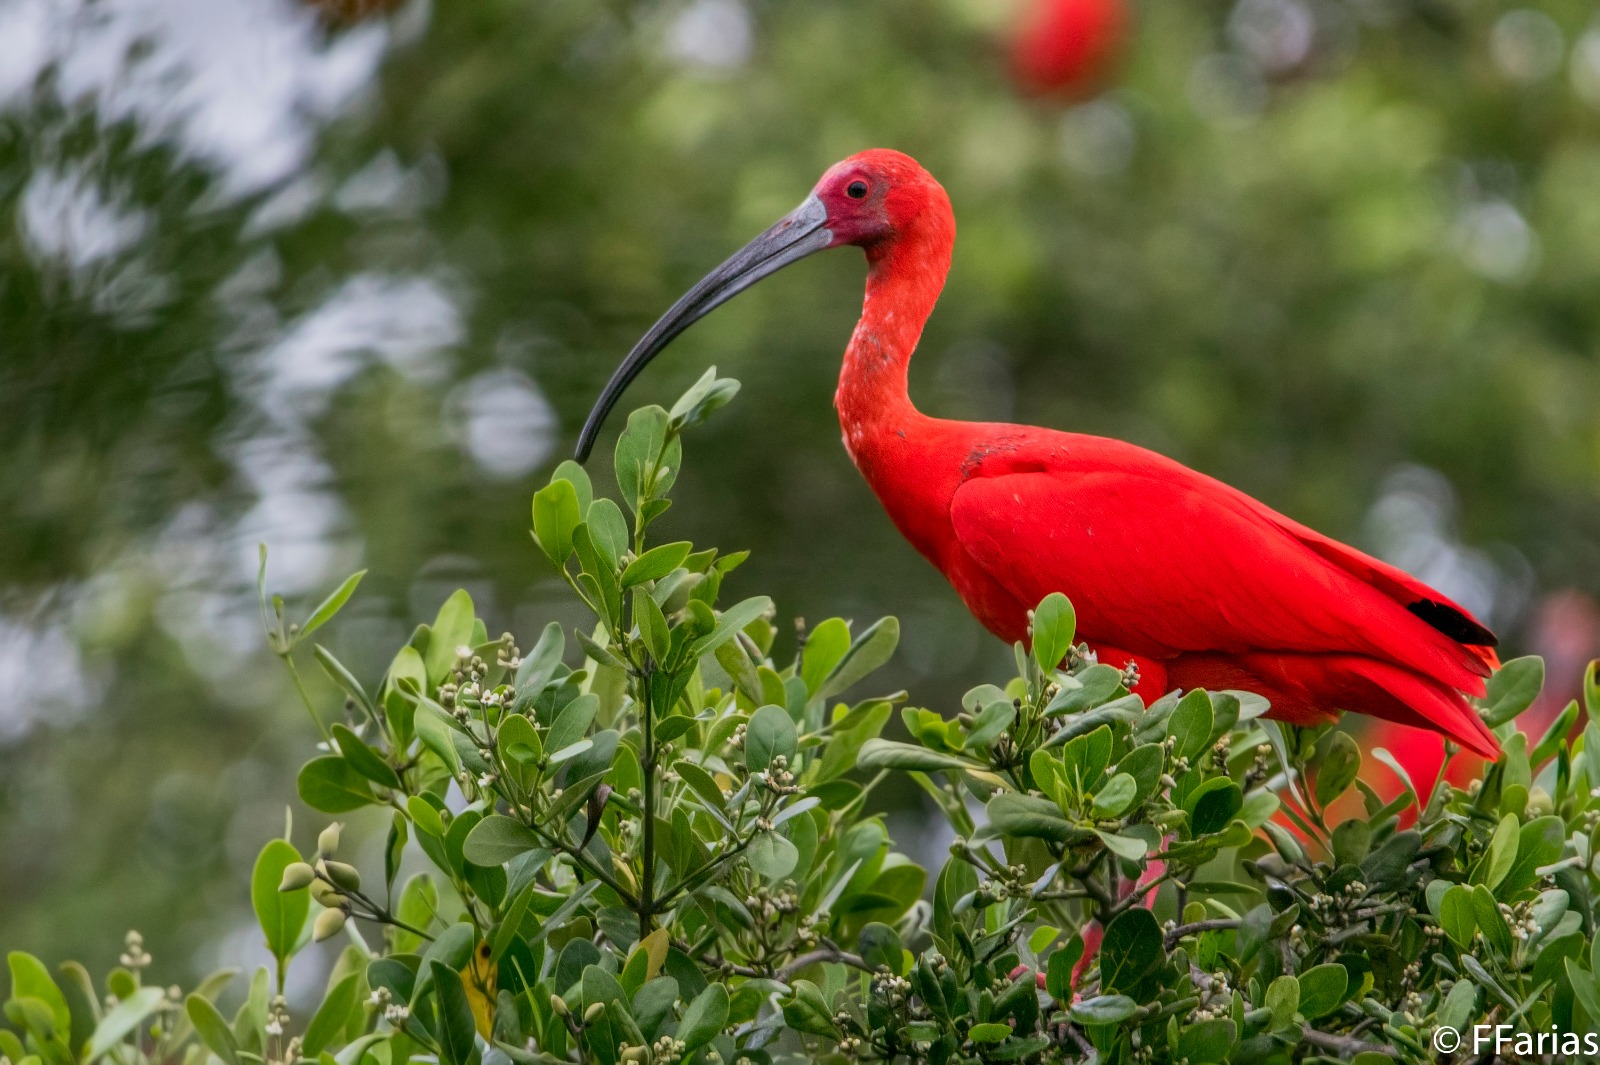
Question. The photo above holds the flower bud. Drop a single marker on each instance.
(347, 877)
(559, 1005)
(296, 876)
(593, 1013)
(328, 924)
(326, 894)
(328, 840)
(631, 1054)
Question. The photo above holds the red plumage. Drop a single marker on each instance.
(1195, 582)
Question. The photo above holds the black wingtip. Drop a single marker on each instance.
(1453, 623)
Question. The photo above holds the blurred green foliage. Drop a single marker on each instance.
(1292, 257)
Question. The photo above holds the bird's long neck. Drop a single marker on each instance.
(905, 277)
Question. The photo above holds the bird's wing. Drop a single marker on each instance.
(1160, 560)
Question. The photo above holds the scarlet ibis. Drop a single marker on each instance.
(1194, 583)
(1068, 47)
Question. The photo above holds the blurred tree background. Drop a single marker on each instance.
(345, 282)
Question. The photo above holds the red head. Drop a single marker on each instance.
(875, 200)
(877, 195)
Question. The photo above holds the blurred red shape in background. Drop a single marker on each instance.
(1068, 47)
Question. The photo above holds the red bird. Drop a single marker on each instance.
(1068, 46)
(1194, 582)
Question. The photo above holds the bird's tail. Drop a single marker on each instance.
(1306, 688)
(1397, 694)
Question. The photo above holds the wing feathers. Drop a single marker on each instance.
(1165, 562)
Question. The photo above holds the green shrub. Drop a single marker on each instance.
(664, 854)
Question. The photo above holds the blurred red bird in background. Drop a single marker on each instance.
(1190, 582)
(1068, 47)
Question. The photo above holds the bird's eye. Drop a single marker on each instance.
(856, 190)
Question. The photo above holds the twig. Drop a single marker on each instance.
(1215, 924)
(1346, 1045)
(844, 957)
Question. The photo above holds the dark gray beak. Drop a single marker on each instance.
(796, 235)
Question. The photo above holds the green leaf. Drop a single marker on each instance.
(341, 676)
(1491, 920)
(1555, 735)
(1205, 1042)
(989, 1032)
(653, 627)
(124, 1018)
(456, 1029)
(1116, 797)
(1028, 816)
(1322, 990)
(1459, 1006)
(1497, 861)
(878, 944)
(769, 733)
(825, 648)
(1190, 724)
(1104, 1009)
(570, 751)
(214, 1031)
(1085, 690)
(437, 734)
(1058, 969)
(1212, 805)
(498, 839)
(772, 855)
(1538, 844)
(1054, 626)
(702, 783)
(1584, 988)
(1128, 848)
(332, 785)
(992, 721)
(1457, 916)
(568, 470)
(330, 606)
(1352, 840)
(1144, 763)
(638, 450)
(1131, 951)
(30, 979)
(281, 914)
(363, 759)
(1513, 688)
(705, 397)
(1382, 754)
(890, 754)
(871, 649)
(730, 622)
(807, 1011)
(704, 1018)
(452, 630)
(1341, 764)
(1283, 999)
(556, 512)
(332, 1016)
(572, 723)
(656, 563)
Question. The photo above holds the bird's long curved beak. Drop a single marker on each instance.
(796, 235)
